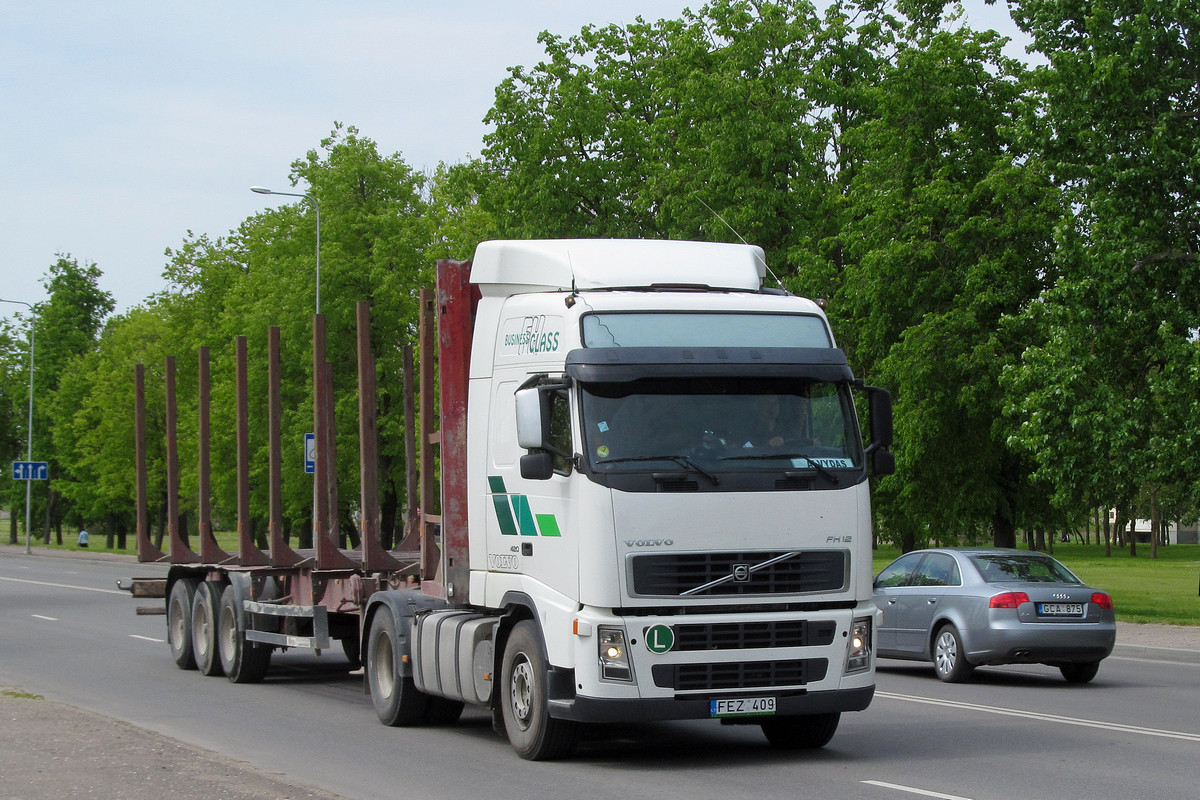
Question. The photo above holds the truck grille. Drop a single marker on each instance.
(738, 574)
(739, 675)
(746, 635)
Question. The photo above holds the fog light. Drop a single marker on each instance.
(858, 648)
(614, 658)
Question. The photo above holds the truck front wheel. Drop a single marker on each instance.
(801, 733)
(533, 733)
(179, 622)
(395, 697)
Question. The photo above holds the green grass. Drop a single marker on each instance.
(1165, 590)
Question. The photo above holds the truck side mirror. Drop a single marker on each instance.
(880, 407)
(537, 466)
(879, 402)
(531, 419)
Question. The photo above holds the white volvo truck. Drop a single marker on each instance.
(654, 505)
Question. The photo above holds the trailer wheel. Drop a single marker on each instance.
(243, 661)
(204, 628)
(801, 733)
(395, 697)
(179, 622)
(533, 733)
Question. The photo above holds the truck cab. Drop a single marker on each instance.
(666, 489)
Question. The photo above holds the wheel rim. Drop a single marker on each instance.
(228, 633)
(946, 653)
(178, 628)
(200, 625)
(385, 679)
(521, 689)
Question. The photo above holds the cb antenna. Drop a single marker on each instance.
(712, 211)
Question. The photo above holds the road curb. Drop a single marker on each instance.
(1157, 653)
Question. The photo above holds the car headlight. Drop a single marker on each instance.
(614, 654)
(858, 647)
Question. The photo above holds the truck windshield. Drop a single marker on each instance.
(717, 426)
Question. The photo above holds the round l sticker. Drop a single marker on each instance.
(660, 638)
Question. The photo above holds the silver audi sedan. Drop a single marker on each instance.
(965, 608)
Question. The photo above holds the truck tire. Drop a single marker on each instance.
(533, 733)
(801, 733)
(204, 627)
(179, 622)
(241, 660)
(395, 697)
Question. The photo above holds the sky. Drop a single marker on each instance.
(126, 124)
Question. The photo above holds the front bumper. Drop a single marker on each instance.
(596, 709)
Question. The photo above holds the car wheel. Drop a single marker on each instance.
(949, 659)
(1080, 673)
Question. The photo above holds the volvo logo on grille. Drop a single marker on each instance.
(741, 573)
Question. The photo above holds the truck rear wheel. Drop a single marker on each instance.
(242, 661)
(801, 733)
(204, 627)
(533, 733)
(395, 697)
(179, 622)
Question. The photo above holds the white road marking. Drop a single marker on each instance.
(147, 638)
(913, 790)
(1012, 712)
(48, 619)
(63, 586)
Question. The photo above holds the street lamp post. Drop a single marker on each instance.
(317, 207)
(29, 427)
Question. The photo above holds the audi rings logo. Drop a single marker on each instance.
(1061, 596)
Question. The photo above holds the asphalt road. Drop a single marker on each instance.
(67, 634)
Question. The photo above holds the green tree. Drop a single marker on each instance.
(67, 326)
(1104, 399)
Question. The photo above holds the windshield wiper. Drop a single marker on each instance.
(823, 471)
(681, 460)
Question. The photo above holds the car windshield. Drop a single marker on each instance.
(1027, 568)
(721, 424)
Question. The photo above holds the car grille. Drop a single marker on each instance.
(746, 635)
(739, 675)
(738, 574)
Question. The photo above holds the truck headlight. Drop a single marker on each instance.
(614, 655)
(858, 648)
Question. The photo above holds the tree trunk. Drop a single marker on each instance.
(1004, 533)
(1132, 537)
(51, 502)
(12, 526)
(1155, 524)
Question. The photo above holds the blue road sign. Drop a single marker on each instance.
(31, 470)
(310, 452)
